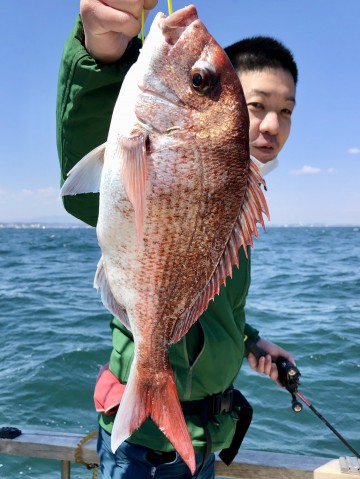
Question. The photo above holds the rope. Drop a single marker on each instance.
(142, 26)
(170, 10)
(77, 453)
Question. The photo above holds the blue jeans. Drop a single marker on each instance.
(131, 461)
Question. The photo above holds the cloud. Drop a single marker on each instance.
(306, 170)
(353, 151)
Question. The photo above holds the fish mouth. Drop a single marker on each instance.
(173, 26)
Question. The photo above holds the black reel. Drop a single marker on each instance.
(289, 377)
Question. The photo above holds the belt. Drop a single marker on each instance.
(210, 407)
(156, 458)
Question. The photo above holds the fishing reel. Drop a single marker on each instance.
(289, 377)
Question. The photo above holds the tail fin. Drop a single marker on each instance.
(160, 401)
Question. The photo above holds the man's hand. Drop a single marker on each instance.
(110, 25)
(264, 364)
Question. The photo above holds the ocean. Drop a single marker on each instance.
(305, 296)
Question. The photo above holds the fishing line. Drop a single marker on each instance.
(170, 10)
(142, 26)
(170, 7)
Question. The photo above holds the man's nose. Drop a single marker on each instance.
(270, 123)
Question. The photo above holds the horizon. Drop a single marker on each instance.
(63, 222)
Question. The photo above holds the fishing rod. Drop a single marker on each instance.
(289, 377)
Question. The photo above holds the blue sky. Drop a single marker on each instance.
(318, 177)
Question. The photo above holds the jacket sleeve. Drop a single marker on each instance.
(87, 92)
(251, 332)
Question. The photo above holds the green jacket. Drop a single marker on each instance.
(208, 359)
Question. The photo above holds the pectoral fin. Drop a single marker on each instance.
(86, 175)
(134, 173)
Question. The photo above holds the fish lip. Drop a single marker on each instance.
(181, 17)
(173, 26)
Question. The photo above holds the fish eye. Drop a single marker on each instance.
(202, 80)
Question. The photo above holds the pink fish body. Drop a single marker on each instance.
(178, 197)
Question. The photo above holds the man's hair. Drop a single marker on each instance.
(259, 53)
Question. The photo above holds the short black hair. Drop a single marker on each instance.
(260, 52)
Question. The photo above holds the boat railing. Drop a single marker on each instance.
(68, 448)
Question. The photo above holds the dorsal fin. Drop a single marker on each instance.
(253, 207)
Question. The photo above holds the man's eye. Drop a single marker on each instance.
(287, 112)
(255, 105)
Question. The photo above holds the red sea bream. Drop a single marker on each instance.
(178, 197)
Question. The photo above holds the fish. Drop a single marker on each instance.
(179, 196)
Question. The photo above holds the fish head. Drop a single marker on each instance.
(186, 82)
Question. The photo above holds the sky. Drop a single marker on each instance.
(317, 181)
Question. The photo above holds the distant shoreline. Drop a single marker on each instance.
(40, 225)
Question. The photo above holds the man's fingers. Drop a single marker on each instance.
(117, 16)
(263, 365)
(251, 360)
(100, 19)
(274, 373)
(122, 22)
(132, 7)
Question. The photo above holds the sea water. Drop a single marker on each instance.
(55, 336)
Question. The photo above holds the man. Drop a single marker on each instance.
(268, 75)
(99, 52)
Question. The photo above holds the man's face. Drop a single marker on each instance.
(270, 97)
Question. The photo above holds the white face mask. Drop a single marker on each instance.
(265, 168)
